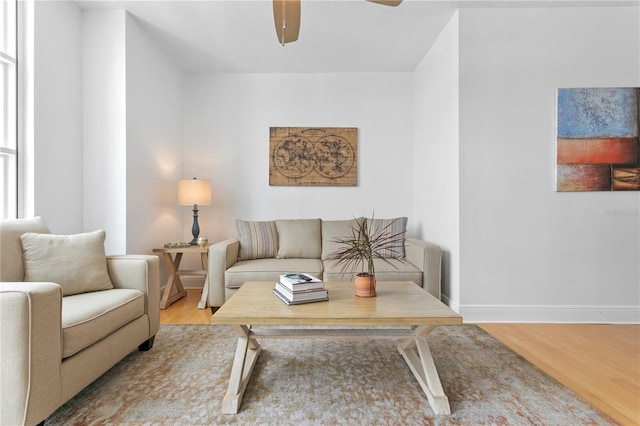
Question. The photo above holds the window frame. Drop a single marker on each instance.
(9, 109)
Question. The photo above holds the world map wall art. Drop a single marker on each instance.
(598, 148)
(313, 156)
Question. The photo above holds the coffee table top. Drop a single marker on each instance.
(397, 303)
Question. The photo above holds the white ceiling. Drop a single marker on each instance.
(238, 36)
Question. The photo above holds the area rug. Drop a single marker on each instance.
(182, 380)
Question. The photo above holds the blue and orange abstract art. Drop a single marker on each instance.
(598, 148)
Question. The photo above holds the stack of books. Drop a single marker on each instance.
(294, 289)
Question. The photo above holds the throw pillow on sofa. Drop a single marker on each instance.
(333, 230)
(258, 240)
(396, 227)
(299, 239)
(75, 262)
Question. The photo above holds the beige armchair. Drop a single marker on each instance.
(57, 339)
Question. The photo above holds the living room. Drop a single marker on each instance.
(462, 142)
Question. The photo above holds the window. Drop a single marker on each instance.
(8, 109)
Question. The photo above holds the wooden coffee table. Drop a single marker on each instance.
(406, 312)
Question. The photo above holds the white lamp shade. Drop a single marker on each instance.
(194, 191)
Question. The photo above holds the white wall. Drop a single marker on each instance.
(436, 162)
(132, 134)
(227, 119)
(517, 250)
(104, 194)
(57, 71)
(527, 252)
(153, 143)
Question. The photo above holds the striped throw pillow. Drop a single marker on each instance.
(395, 228)
(258, 240)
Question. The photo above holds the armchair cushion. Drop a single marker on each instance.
(90, 317)
(76, 262)
(258, 240)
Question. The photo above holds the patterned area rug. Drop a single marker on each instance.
(182, 380)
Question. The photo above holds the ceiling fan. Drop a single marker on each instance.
(286, 15)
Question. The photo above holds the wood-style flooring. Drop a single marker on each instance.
(599, 362)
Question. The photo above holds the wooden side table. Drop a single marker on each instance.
(172, 258)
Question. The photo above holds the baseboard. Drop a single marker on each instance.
(570, 314)
(574, 314)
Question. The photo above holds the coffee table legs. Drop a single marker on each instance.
(414, 350)
(243, 363)
(418, 357)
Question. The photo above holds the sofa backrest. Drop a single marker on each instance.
(11, 263)
(302, 238)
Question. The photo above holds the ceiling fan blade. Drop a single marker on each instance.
(393, 3)
(286, 15)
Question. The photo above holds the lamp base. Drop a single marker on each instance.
(195, 229)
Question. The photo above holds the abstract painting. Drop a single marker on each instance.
(598, 148)
(313, 156)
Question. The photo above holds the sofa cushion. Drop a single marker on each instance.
(76, 262)
(90, 317)
(11, 264)
(398, 270)
(258, 240)
(396, 228)
(299, 238)
(333, 230)
(269, 270)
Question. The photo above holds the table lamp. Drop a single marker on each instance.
(194, 191)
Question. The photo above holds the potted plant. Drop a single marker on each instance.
(361, 247)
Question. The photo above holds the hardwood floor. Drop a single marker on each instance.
(599, 362)
(185, 311)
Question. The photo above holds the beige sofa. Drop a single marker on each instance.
(57, 339)
(265, 249)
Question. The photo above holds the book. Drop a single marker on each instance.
(298, 302)
(299, 281)
(301, 294)
(303, 286)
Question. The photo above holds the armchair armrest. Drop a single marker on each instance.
(31, 351)
(221, 256)
(139, 272)
(428, 258)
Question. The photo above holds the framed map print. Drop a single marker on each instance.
(313, 156)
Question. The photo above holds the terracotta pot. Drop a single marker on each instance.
(365, 286)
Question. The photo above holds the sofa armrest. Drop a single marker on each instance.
(221, 256)
(139, 272)
(428, 258)
(31, 351)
